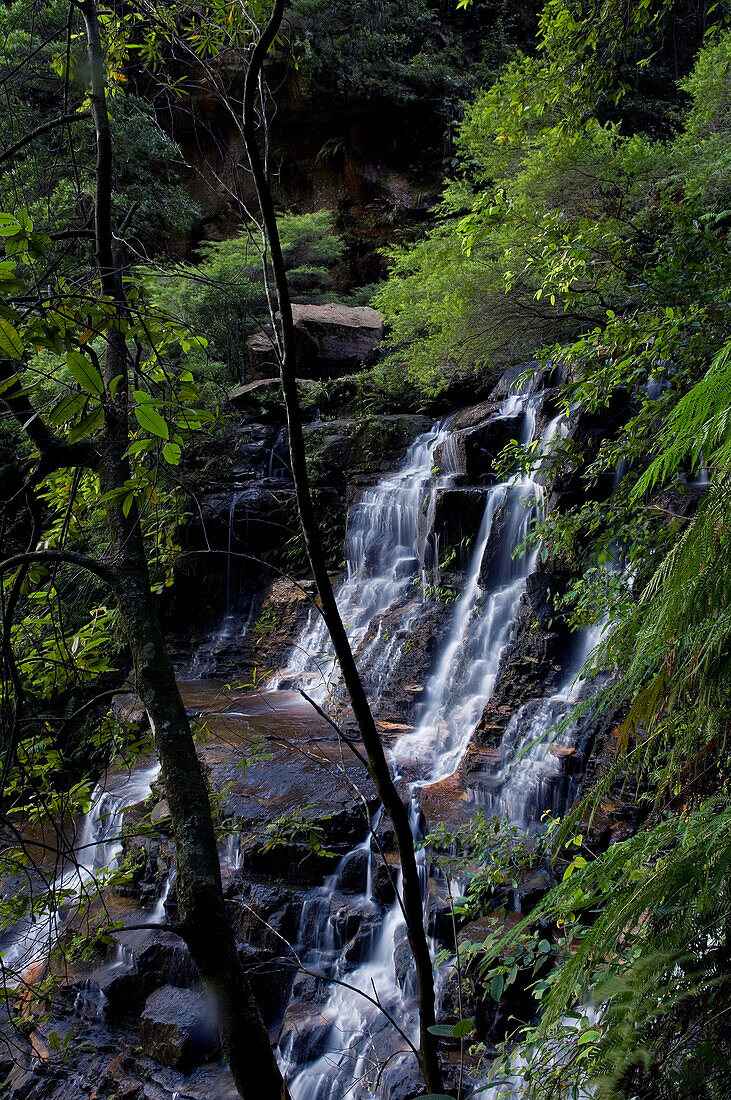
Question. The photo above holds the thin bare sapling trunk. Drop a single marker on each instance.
(378, 765)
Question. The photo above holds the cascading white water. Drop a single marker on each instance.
(465, 676)
(530, 761)
(385, 552)
(357, 1028)
(94, 856)
(460, 686)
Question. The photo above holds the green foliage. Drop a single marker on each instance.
(224, 295)
(298, 827)
(402, 50)
(576, 236)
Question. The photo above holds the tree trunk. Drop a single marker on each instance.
(379, 769)
(204, 922)
(205, 926)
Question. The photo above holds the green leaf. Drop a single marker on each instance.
(83, 371)
(590, 1036)
(441, 1031)
(141, 397)
(10, 341)
(8, 382)
(88, 425)
(67, 408)
(9, 225)
(171, 453)
(151, 421)
(464, 1027)
(139, 446)
(496, 986)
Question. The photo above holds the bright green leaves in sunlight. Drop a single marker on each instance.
(148, 417)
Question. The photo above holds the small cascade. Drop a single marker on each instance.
(465, 676)
(530, 762)
(236, 619)
(93, 856)
(385, 552)
(278, 466)
(356, 1028)
(157, 916)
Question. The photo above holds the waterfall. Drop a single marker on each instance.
(384, 554)
(465, 676)
(93, 857)
(386, 549)
(236, 620)
(530, 762)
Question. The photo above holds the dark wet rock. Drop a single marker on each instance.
(353, 873)
(339, 450)
(177, 1029)
(532, 889)
(401, 1080)
(350, 917)
(384, 839)
(264, 915)
(291, 862)
(506, 384)
(383, 887)
(305, 1030)
(309, 987)
(270, 975)
(359, 945)
(408, 639)
(455, 520)
(471, 451)
(162, 960)
(403, 963)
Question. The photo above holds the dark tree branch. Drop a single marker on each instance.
(55, 453)
(105, 572)
(39, 131)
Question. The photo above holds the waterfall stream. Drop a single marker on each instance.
(386, 551)
(529, 763)
(93, 857)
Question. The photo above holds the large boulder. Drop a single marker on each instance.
(161, 960)
(331, 339)
(177, 1027)
(335, 339)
